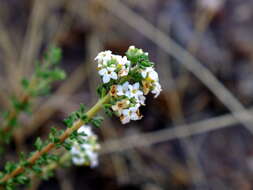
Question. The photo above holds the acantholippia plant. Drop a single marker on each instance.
(125, 83)
(46, 72)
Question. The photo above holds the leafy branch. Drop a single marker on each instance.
(126, 82)
(40, 84)
(13, 173)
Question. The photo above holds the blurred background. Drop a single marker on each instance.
(197, 135)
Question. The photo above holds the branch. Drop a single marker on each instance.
(62, 138)
(177, 132)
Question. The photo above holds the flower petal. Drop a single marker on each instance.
(102, 72)
(136, 85)
(106, 78)
(114, 76)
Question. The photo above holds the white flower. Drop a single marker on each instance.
(123, 72)
(131, 113)
(141, 99)
(103, 57)
(108, 73)
(78, 160)
(150, 73)
(90, 154)
(77, 154)
(122, 61)
(86, 130)
(112, 66)
(120, 105)
(122, 89)
(134, 91)
(123, 64)
(156, 89)
(85, 153)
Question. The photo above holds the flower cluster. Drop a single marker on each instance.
(85, 153)
(128, 79)
(111, 66)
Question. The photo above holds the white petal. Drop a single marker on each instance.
(94, 163)
(125, 85)
(153, 75)
(130, 87)
(139, 93)
(136, 85)
(128, 94)
(102, 72)
(115, 108)
(125, 120)
(133, 109)
(142, 99)
(111, 69)
(106, 78)
(78, 161)
(125, 112)
(134, 116)
(144, 74)
(114, 75)
(74, 150)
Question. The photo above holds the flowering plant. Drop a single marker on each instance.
(125, 83)
(127, 79)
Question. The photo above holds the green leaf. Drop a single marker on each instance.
(36, 169)
(108, 110)
(101, 91)
(96, 121)
(67, 145)
(38, 144)
(21, 179)
(47, 175)
(53, 55)
(25, 83)
(82, 108)
(9, 167)
(56, 55)
(57, 74)
(53, 157)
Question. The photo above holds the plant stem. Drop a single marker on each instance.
(62, 138)
(14, 113)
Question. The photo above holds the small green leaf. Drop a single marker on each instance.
(9, 167)
(21, 179)
(25, 83)
(67, 145)
(38, 144)
(96, 121)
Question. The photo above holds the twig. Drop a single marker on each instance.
(174, 103)
(4, 98)
(182, 131)
(34, 34)
(10, 54)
